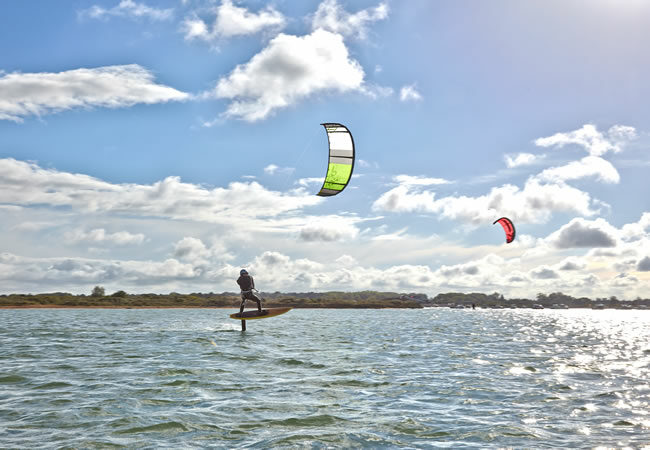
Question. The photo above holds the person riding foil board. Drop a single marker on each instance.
(247, 285)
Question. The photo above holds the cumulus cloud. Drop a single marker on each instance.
(460, 270)
(232, 20)
(272, 169)
(409, 93)
(542, 195)
(327, 229)
(396, 236)
(58, 273)
(191, 249)
(636, 231)
(521, 159)
(571, 264)
(306, 182)
(332, 17)
(622, 133)
(35, 94)
(544, 273)
(589, 166)
(27, 184)
(409, 180)
(128, 9)
(581, 233)
(99, 235)
(624, 280)
(196, 266)
(533, 204)
(33, 226)
(644, 265)
(346, 260)
(289, 69)
(196, 28)
(595, 142)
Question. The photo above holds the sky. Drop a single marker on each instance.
(163, 146)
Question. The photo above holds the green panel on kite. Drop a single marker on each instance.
(333, 186)
(338, 173)
(341, 159)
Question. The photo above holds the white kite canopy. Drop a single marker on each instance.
(341, 159)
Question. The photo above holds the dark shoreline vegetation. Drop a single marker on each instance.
(363, 299)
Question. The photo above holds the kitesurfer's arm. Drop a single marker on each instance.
(252, 283)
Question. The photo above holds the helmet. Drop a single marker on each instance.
(243, 272)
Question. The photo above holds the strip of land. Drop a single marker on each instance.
(334, 299)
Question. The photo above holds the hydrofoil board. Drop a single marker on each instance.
(255, 314)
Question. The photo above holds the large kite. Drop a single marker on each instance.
(508, 227)
(341, 159)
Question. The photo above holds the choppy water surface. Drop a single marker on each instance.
(325, 378)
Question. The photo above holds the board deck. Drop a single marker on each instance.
(266, 313)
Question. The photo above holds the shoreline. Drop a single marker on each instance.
(112, 307)
(293, 307)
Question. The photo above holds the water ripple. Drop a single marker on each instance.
(325, 378)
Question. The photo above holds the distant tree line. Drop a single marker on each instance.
(332, 299)
(553, 300)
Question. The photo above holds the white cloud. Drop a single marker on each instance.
(622, 133)
(346, 260)
(272, 169)
(33, 226)
(30, 94)
(624, 280)
(27, 184)
(544, 273)
(589, 166)
(82, 273)
(327, 229)
(289, 69)
(193, 250)
(99, 235)
(571, 264)
(190, 248)
(403, 199)
(196, 266)
(397, 235)
(306, 182)
(581, 233)
(195, 28)
(633, 232)
(409, 93)
(232, 20)
(129, 9)
(332, 17)
(595, 142)
(375, 91)
(644, 265)
(521, 159)
(410, 180)
(535, 203)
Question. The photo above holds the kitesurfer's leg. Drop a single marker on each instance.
(243, 302)
(256, 299)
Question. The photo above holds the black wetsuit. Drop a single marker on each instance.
(247, 284)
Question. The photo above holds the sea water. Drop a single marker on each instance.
(315, 378)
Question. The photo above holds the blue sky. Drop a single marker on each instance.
(157, 147)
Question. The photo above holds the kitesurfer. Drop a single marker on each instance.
(247, 286)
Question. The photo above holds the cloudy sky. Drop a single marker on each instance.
(162, 146)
